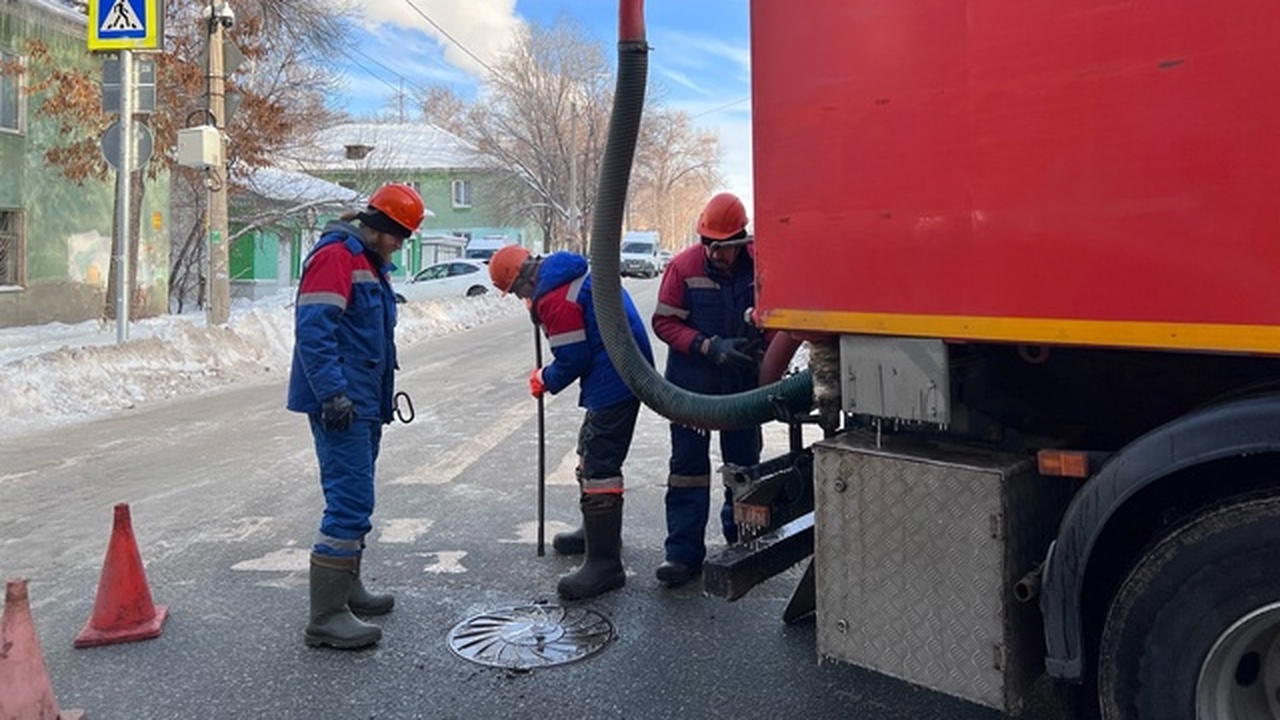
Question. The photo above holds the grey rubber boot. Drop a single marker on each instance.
(573, 542)
(332, 623)
(363, 602)
(602, 572)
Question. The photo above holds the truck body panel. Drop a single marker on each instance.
(1013, 231)
(1089, 172)
(920, 544)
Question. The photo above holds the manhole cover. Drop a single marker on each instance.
(530, 636)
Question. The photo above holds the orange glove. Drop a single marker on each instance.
(536, 388)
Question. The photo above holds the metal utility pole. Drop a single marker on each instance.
(123, 173)
(219, 277)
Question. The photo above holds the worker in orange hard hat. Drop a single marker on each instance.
(344, 359)
(558, 288)
(706, 292)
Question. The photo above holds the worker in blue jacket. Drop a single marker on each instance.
(344, 360)
(558, 288)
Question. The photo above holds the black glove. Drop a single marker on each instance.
(337, 413)
(729, 351)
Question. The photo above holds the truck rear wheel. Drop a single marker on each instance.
(1194, 630)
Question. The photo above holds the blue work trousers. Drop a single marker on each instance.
(347, 461)
(688, 498)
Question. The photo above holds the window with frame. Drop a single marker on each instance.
(461, 193)
(11, 96)
(11, 248)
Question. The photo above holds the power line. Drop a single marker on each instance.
(398, 76)
(451, 38)
(718, 108)
(372, 73)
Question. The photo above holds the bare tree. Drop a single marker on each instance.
(282, 85)
(442, 107)
(541, 122)
(676, 168)
(542, 118)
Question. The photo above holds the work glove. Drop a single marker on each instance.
(729, 351)
(337, 413)
(536, 386)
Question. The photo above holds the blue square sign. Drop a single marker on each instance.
(124, 24)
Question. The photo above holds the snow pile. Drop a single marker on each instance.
(55, 374)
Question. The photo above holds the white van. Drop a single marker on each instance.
(483, 248)
(640, 253)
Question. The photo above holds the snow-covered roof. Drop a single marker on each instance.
(296, 187)
(391, 146)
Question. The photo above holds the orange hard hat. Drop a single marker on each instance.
(723, 217)
(504, 266)
(401, 204)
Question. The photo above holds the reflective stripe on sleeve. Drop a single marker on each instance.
(323, 298)
(567, 338)
(664, 310)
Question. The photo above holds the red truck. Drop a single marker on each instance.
(1034, 250)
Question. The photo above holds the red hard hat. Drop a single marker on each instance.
(504, 266)
(401, 203)
(723, 217)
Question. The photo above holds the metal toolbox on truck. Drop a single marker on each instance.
(917, 548)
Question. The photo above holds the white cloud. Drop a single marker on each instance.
(484, 27)
(684, 81)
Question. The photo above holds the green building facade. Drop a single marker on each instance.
(55, 235)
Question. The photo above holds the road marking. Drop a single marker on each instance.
(284, 560)
(452, 464)
(403, 530)
(566, 472)
(527, 532)
(448, 562)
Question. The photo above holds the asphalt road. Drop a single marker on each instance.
(224, 499)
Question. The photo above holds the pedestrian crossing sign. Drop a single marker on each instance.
(124, 24)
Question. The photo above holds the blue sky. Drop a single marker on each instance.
(699, 62)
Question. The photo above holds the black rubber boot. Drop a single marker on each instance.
(332, 623)
(602, 572)
(570, 543)
(674, 574)
(363, 602)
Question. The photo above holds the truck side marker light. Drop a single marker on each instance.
(1063, 463)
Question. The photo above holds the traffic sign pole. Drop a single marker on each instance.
(122, 194)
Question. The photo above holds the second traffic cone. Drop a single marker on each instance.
(25, 692)
(123, 611)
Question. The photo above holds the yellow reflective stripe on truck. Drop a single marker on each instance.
(1212, 337)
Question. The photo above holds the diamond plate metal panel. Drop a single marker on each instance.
(916, 551)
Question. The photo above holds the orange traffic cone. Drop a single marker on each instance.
(25, 692)
(123, 611)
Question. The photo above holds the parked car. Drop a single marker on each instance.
(483, 248)
(664, 259)
(452, 278)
